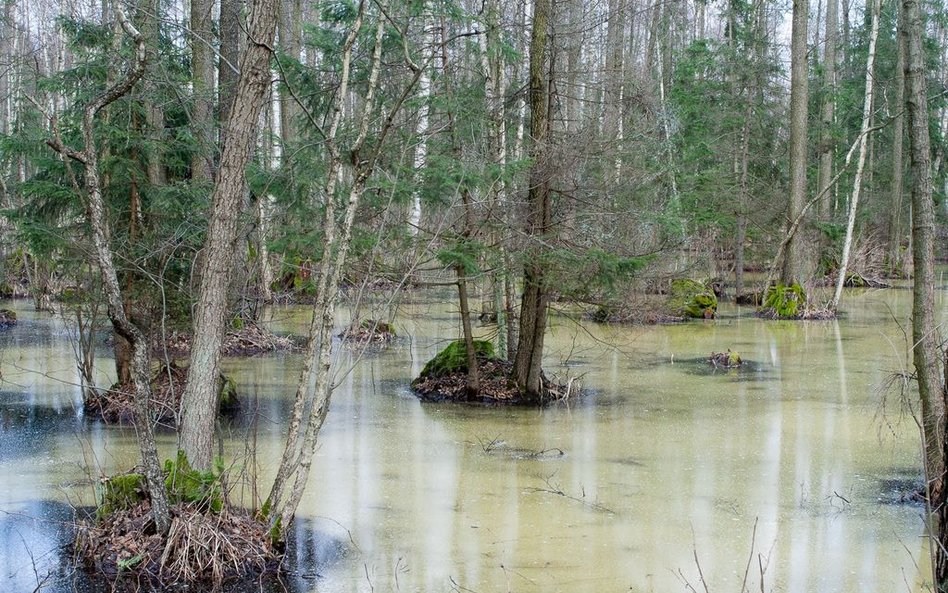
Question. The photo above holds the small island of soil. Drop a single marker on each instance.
(369, 331)
(210, 542)
(725, 360)
(116, 405)
(249, 340)
(445, 378)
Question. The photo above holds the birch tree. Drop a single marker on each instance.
(864, 136)
(91, 189)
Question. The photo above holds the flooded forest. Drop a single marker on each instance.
(473, 296)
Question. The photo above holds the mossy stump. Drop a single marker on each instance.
(453, 359)
(784, 302)
(7, 318)
(725, 360)
(692, 299)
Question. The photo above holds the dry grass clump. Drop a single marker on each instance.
(202, 548)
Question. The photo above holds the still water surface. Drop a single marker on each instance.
(664, 462)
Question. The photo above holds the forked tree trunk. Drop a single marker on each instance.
(199, 401)
(315, 388)
(140, 367)
(926, 353)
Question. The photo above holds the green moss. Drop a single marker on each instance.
(129, 563)
(186, 484)
(692, 299)
(786, 302)
(227, 393)
(121, 492)
(454, 358)
(7, 317)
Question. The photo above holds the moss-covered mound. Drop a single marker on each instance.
(445, 378)
(116, 405)
(725, 360)
(453, 359)
(784, 302)
(7, 318)
(690, 298)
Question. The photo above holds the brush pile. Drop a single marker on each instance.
(250, 340)
(201, 548)
(369, 331)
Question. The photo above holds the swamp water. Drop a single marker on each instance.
(664, 462)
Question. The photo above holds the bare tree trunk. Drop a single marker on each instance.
(290, 43)
(228, 60)
(615, 42)
(927, 355)
(202, 81)
(792, 263)
(827, 146)
(533, 308)
(199, 401)
(894, 263)
(861, 163)
(98, 221)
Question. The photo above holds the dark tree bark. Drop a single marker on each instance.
(199, 401)
(827, 145)
(290, 16)
(533, 308)
(202, 81)
(926, 353)
(894, 259)
(228, 61)
(792, 263)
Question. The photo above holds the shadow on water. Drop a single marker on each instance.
(36, 555)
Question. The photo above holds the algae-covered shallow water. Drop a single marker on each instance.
(663, 462)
